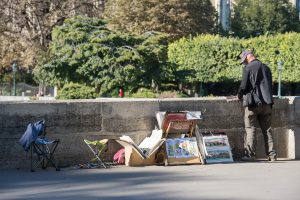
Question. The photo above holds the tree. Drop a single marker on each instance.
(175, 17)
(26, 25)
(84, 51)
(257, 17)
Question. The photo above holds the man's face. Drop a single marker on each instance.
(246, 60)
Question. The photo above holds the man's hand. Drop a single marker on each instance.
(232, 99)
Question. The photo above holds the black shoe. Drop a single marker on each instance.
(248, 158)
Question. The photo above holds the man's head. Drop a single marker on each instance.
(246, 57)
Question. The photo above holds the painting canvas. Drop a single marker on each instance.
(217, 149)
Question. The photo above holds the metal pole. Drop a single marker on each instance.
(279, 78)
(14, 84)
(14, 68)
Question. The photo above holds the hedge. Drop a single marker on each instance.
(211, 58)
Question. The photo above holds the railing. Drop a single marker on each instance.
(23, 89)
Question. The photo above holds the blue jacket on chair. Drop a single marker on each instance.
(31, 134)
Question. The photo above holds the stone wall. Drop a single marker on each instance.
(73, 121)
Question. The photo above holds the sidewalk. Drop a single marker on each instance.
(236, 181)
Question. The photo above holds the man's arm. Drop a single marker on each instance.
(244, 84)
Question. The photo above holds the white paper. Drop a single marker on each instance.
(194, 115)
(150, 142)
(160, 117)
(148, 145)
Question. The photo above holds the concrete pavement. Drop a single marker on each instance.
(236, 181)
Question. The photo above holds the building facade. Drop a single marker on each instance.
(223, 9)
(296, 3)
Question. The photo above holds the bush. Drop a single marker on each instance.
(148, 93)
(171, 94)
(143, 93)
(213, 59)
(76, 91)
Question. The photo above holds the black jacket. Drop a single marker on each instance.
(256, 74)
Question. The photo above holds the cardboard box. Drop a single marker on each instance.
(134, 156)
(183, 161)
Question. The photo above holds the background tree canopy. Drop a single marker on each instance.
(176, 17)
(257, 17)
(26, 25)
(84, 51)
(92, 52)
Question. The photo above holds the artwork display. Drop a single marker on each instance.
(217, 149)
(182, 147)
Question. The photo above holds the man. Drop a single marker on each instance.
(256, 85)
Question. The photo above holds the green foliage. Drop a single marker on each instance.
(206, 58)
(209, 58)
(171, 94)
(148, 93)
(287, 45)
(176, 17)
(83, 50)
(258, 17)
(143, 93)
(76, 91)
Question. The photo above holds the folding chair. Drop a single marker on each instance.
(41, 148)
(97, 147)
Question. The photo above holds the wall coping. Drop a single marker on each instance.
(223, 98)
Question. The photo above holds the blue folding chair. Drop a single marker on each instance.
(41, 148)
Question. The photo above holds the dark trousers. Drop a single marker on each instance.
(263, 115)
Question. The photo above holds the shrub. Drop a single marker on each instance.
(171, 94)
(76, 91)
(210, 58)
(143, 93)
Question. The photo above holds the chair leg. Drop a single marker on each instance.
(96, 155)
(101, 162)
(35, 150)
(45, 155)
(31, 159)
(52, 150)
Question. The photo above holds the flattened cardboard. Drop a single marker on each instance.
(135, 157)
(183, 161)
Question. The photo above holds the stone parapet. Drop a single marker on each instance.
(73, 121)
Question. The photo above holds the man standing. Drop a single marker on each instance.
(256, 92)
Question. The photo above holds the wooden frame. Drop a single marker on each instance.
(177, 123)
